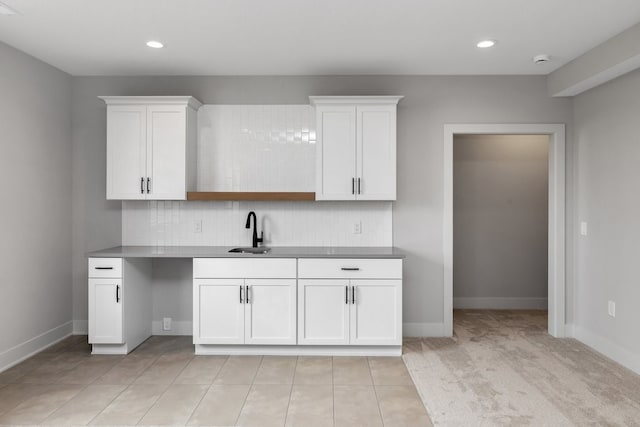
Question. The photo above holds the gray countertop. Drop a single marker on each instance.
(223, 252)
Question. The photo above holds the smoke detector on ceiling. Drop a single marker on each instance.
(541, 59)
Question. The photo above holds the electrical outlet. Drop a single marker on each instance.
(583, 228)
(166, 324)
(197, 226)
(612, 308)
(357, 227)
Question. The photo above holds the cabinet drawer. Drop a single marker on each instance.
(105, 267)
(318, 268)
(222, 268)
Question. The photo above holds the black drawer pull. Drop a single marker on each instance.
(350, 268)
(104, 268)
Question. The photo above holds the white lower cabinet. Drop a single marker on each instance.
(119, 304)
(350, 302)
(105, 311)
(376, 312)
(244, 310)
(323, 312)
(350, 312)
(270, 311)
(218, 311)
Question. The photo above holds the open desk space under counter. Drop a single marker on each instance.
(287, 301)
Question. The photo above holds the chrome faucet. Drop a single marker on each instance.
(255, 239)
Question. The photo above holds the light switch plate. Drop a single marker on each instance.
(612, 308)
(583, 228)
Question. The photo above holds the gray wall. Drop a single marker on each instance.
(35, 182)
(500, 216)
(607, 149)
(430, 102)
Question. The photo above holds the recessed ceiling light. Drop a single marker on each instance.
(486, 43)
(6, 10)
(155, 44)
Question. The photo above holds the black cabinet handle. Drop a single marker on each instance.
(346, 294)
(104, 268)
(148, 181)
(141, 185)
(350, 269)
(353, 186)
(247, 293)
(353, 295)
(241, 298)
(117, 293)
(359, 186)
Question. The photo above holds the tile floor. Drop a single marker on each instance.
(163, 383)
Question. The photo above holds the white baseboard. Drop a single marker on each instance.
(498, 303)
(603, 345)
(177, 328)
(423, 330)
(22, 351)
(80, 327)
(298, 350)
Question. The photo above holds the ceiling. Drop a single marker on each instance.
(311, 37)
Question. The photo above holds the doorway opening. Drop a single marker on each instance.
(500, 227)
(555, 253)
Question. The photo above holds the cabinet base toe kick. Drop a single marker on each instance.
(297, 350)
(110, 349)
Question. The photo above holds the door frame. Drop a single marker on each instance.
(556, 251)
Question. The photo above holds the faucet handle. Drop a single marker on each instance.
(261, 238)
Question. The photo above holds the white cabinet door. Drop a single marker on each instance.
(270, 311)
(323, 312)
(336, 152)
(166, 152)
(376, 312)
(126, 152)
(218, 311)
(105, 311)
(376, 152)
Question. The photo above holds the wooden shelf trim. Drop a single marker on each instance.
(251, 196)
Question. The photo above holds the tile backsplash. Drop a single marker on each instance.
(173, 223)
(256, 148)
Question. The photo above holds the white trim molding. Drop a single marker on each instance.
(22, 351)
(298, 350)
(177, 328)
(333, 100)
(608, 348)
(556, 279)
(500, 303)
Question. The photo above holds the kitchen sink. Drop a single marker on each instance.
(250, 250)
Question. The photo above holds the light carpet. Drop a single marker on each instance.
(502, 368)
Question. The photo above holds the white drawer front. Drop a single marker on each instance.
(331, 268)
(222, 268)
(105, 267)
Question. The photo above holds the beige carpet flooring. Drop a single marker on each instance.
(502, 368)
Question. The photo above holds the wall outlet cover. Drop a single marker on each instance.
(166, 323)
(357, 227)
(197, 226)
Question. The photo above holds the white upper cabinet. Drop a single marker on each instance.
(151, 147)
(356, 147)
